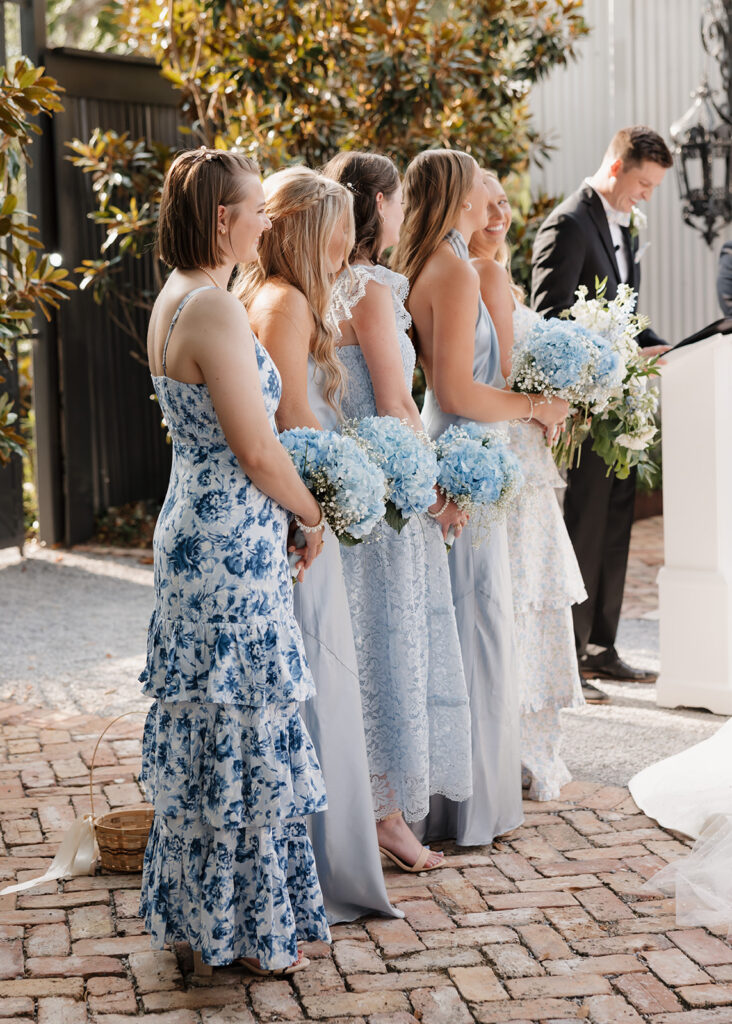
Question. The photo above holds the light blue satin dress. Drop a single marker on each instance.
(343, 837)
(413, 691)
(481, 590)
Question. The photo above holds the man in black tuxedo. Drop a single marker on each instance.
(590, 235)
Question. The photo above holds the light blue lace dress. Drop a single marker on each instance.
(481, 589)
(227, 762)
(344, 837)
(413, 692)
(546, 583)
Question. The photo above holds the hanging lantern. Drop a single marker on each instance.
(702, 137)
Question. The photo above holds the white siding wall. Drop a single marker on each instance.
(638, 66)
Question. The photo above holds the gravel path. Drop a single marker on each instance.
(73, 628)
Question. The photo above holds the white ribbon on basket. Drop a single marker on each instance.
(78, 849)
(76, 856)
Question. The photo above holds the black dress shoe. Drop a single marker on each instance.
(592, 695)
(600, 667)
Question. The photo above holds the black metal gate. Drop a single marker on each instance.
(111, 445)
(98, 435)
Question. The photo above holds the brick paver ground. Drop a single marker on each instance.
(549, 924)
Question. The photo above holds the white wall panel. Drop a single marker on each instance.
(639, 65)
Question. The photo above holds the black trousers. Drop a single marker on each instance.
(598, 511)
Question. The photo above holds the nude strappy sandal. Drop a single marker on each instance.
(420, 862)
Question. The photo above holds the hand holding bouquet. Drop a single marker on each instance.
(479, 473)
(569, 360)
(348, 485)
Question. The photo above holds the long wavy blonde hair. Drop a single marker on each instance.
(434, 189)
(305, 208)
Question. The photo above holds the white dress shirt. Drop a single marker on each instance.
(617, 220)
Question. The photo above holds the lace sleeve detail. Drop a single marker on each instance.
(349, 289)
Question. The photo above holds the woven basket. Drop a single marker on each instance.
(121, 835)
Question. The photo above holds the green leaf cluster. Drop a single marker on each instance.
(290, 81)
(29, 282)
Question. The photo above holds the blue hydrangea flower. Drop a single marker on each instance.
(350, 488)
(408, 463)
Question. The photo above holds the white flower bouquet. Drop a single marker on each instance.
(624, 429)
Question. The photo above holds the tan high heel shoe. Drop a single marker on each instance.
(420, 863)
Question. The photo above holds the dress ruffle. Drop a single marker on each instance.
(236, 893)
(249, 663)
(232, 767)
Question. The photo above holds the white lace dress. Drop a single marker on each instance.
(546, 582)
(415, 701)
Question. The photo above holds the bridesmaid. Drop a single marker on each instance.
(227, 764)
(287, 293)
(445, 202)
(412, 685)
(544, 571)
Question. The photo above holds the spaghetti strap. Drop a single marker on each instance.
(174, 321)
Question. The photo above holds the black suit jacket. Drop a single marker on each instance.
(573, 247)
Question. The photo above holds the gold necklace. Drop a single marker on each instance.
(210, 277)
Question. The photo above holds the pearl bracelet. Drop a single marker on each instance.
(529, 418)
(312, 529)
(440, 510)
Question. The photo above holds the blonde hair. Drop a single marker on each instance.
(435, 186)
(304, 208)
(197, 183)
(503, 252)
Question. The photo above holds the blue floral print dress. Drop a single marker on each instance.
(227, 762)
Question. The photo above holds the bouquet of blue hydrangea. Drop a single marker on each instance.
(350, 488)
(407, 460)
(479, 473)
(567, 359)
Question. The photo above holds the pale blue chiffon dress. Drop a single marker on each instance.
(481, 590)
(227, 763)
(413, 692)
(344, 837)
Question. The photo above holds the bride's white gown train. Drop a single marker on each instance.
(691, 793)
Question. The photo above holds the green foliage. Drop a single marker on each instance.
(29, 282)
(127, 177)
(298, 80)
(82, 24)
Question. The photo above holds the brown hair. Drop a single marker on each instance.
(365, 175)
(197, 183)
(636, 144)
(304, 208)
(435, 186)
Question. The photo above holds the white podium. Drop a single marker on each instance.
(695, 584)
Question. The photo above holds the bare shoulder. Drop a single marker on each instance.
(215, 305)
(276, 296)
(278, 302)
(445, 274)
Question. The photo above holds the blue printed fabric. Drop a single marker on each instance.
(227, 762)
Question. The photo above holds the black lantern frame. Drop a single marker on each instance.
(703, 136)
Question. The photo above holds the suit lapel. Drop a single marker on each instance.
(597, 212)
